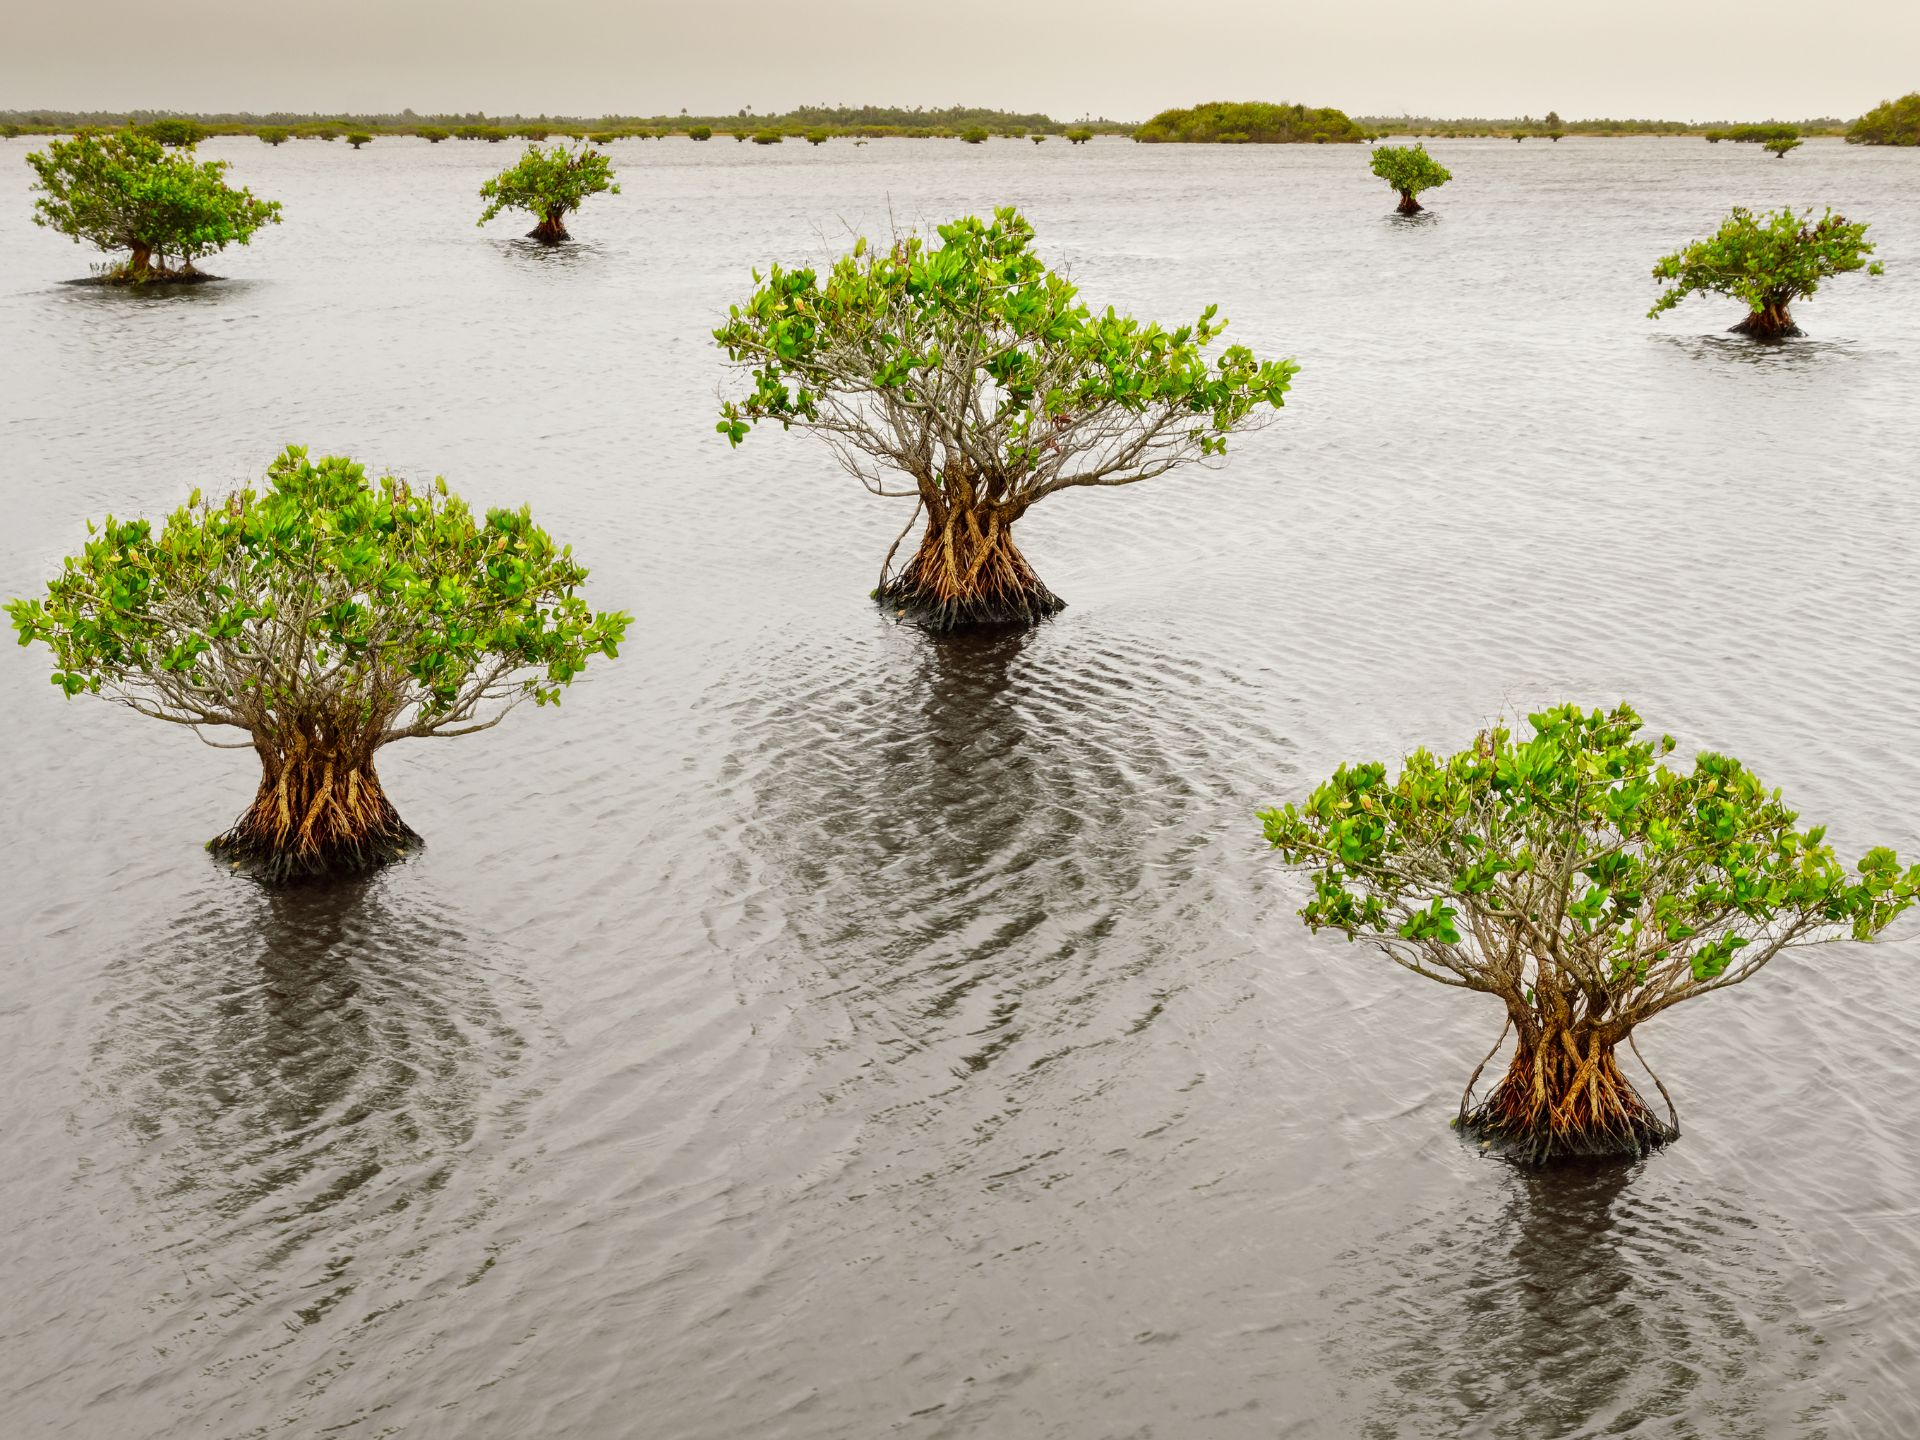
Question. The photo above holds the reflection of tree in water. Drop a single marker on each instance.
(310, 1072)
(982, 837)
(1588, 1301)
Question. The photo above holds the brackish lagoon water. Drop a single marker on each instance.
(815, 1031)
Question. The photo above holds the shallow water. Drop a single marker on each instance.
(815, 1031)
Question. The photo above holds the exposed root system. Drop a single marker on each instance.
(1565, 1096)
(1408, 205)
(550, 231)
(968, 573)
(1772, 323)
(316, 815)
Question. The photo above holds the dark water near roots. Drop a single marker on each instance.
(814, 1031)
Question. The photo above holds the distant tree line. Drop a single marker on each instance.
(276, 127)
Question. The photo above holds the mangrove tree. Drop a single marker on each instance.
(126, 191)
(1587, 887)
(968, 377)
(550, 185)
(323, 617)
(1409, 170)
(1767, 262)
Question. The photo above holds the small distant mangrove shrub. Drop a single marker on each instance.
(548, 184)
(1779, 148)
(1249, 123)
(604, 137)
(1891, 122)
(272, 134)
(471, 132)
(975, 136)
(768, 137)
(357, 138)
(1038, 139)
(322, 617)
(1587, 887)
(432, 134)
(1766, 262)
(700, 132)
(127, 192)
(817, 137)
(1410, 171)
(320, 132)
(967, 376)
(174, 133)
(1079, 136)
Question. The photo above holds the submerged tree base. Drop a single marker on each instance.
(968, 574)
(975, 612)
(152, 275)
(549, 232)
(317, 819)
(1408, 205)
(1563, 1099)
(1766, 325)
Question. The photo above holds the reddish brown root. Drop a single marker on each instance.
(968, 573)
(1771, 323)
(1564, 1096)
(550, 231)
(1408, 205)
(319, 815)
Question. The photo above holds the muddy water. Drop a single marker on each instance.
(813, 1031)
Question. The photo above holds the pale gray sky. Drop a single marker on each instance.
(1679, 59)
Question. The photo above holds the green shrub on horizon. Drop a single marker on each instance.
(357, 138)
(272, 134)
(183, 134)
(975, 136)
(1079, 135)
(1249, 122)
(432, 134)
(700, 132)
(768, 137)
(1891, 122)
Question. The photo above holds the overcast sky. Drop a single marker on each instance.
(1677, 59)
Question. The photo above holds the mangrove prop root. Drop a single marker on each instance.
(316, 814)
(1564, 1095)
(968, 572)
(1771, 323)
(1408, 205)
(550, 231)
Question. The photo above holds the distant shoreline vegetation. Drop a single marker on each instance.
(1250, 122)
(807, 121)
(1891, 122)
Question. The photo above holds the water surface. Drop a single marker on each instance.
(814, 1031)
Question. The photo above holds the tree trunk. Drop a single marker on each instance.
(1408, 205)
(967, 571)
(1770, 322)
(140, 265)
(319, 811)
(551, 230)
(1565, 1095)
